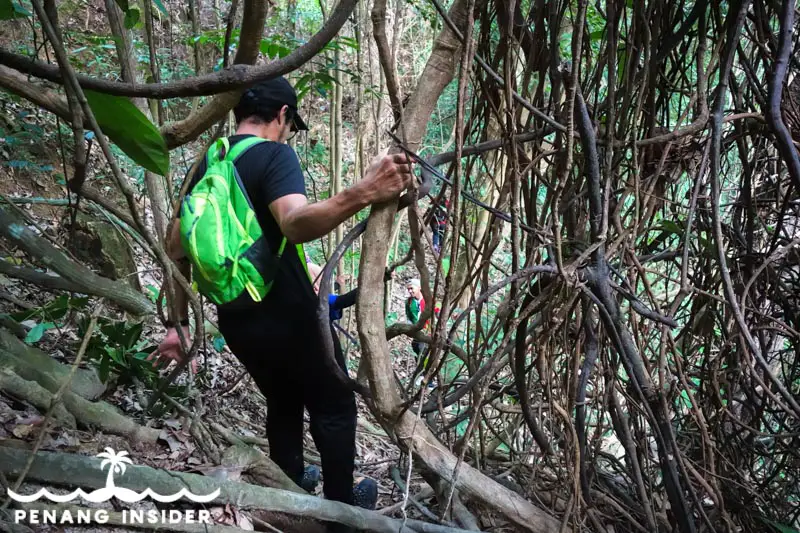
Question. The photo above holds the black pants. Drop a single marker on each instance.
(287, 364)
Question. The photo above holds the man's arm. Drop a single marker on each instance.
(171, 348)
(346, 300)
(301, 222)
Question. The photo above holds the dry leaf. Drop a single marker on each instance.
(172, 423)
(174, 444)
(242, 520)
(22, 431)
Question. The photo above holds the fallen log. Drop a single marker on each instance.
(85, 382)
(46, 280)
(85, 472)
(25, 364)
(34, 394)
(76, 274)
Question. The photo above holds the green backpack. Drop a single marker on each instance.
(221, 234)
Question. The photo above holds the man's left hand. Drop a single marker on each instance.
(170, 349)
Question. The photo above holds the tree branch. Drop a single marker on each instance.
(237, 76)
(179, 133)
(773, 113)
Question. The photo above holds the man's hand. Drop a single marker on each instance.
(386, 177)
(170, 349)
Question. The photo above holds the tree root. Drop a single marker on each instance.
(85, 382)
(260, 467)
(32, 365)
(74, 274)
(85, 472)
(34, 394)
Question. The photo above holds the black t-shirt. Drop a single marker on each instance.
(270, 170)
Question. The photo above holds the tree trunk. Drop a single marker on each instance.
(411, 433)
(337, 148)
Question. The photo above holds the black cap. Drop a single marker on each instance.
(272, 94)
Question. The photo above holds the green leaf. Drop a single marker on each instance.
(35, 334)
(219, 343)
(115, 354)
(21, 316)
(12, 10)
(131, 18)
(132, 336)
(79, 302)
(114, 331)
(161, 7)
(144, 353)
(325, 78)
(596, 35)
(130, 130)
(672, 227)
(272, 48)
(349, 41)
(152, 292)
(105, 366)
(58, 308)
(123, 5)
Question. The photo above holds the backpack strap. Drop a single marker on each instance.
(238, 150)
(216, 152)
(221, 149)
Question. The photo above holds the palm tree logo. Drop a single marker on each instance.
(116, 464)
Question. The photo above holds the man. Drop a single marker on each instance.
(278, 340)
(415, 305)
(438, 224)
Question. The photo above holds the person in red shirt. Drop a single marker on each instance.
(415, 306)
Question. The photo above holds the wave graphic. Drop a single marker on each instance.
(106, 493)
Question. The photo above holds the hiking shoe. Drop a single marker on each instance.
(365, 494)
(310, 479)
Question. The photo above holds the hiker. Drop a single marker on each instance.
(336, 302)
(314, 271)
(415, 305)
(438, 224)
(277, 338)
